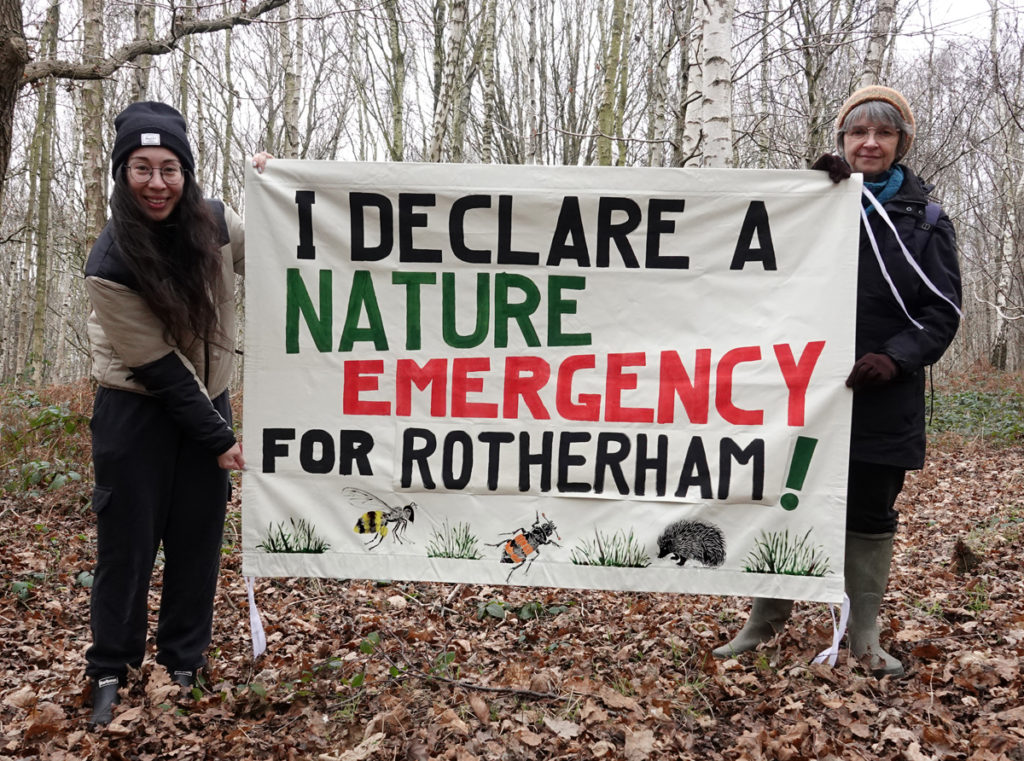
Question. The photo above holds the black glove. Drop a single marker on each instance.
(872, 370)
(838, 170)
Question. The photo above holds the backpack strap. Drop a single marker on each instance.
(923, 230)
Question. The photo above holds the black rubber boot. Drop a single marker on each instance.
(184, 678)
(104, 698)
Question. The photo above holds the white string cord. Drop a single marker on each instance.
(910, 259)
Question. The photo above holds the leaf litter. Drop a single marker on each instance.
(393, 670)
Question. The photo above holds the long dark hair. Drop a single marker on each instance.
(176, 263)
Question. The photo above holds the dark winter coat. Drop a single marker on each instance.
(132, 351)
(889, 421)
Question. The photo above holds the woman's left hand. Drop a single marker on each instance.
(232, 459)
(259, 161)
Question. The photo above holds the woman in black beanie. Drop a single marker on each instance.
(160, 279)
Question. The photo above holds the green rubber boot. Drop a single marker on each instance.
(868, 559)
(767, 618)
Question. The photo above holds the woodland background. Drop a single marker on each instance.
(384, 670)
(743, 83)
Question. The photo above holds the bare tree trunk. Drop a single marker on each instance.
(487, 128)
(188, 14)
(682, 22)
(464, 93)
(765, 158)
(46, 117)
(1011, 193)
(94, 158)
(397, 85)
(693, 115)
(449, 86)
(13, 57)
(881, 25)
(606, 110)
(660, 48)
(145, 29)
(532, 77)
(292, 64)
(230, 97)
(717, 103)
(623, 84)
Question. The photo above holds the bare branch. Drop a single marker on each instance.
(127, 53)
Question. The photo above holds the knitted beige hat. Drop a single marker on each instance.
(886, 95)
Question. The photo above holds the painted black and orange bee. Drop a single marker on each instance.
(378, 519)
(525, 544)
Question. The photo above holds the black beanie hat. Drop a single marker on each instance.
(146, 124)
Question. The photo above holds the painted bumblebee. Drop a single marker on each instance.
(524, 546)
(380, 517)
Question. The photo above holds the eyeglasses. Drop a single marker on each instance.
(882, 134)
(143, 173)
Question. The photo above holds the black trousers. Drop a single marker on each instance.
(153, 485)
(871, 494)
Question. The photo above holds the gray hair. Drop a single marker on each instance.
(878, 112)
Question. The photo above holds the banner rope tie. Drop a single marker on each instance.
(259, 637)
(831, 655)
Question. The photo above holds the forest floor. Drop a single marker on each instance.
(415, 671)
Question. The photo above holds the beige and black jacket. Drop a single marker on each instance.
(132, 351)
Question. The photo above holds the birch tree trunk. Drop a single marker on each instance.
(91, 119)
(46, 116)
(487, 126)
(532, 75)
(145, 29)
(291, 63)
(622, 84)
(692, 116)
(230, 96)
(683, 21)
(716, 105)
(660, 47)
(1011, 198)
(397, 83)
(188, 13)
(881, 25)
(449, 85)
(610, 69)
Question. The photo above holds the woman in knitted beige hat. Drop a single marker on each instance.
(908, 297)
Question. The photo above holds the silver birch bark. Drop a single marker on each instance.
(1011, 195)
(188, 14)
(487, 127)
(610, 73)
(622, 84)
(91, 119)
(230, 96)
(532, 75)
(881, 25)
(449, 86)
(46, 117)
(145, 29)
(682, 22)
(693, 118)
(716, 105)
(396, 86)
(291, 63)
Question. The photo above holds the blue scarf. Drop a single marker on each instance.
(884, 188)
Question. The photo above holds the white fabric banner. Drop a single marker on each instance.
(610, 378)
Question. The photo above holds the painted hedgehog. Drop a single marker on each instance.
(693, 540)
